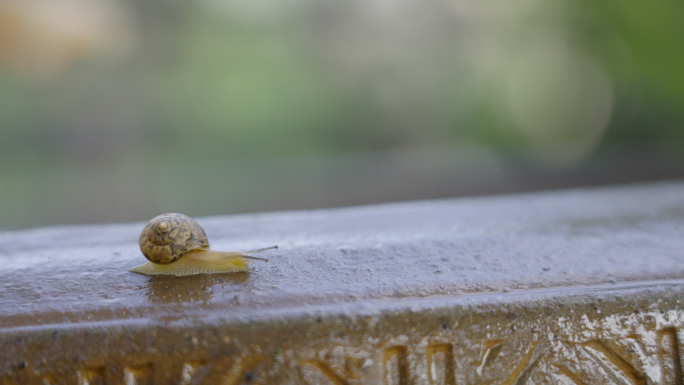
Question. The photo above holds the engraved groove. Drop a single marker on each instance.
(353, 367)
(395, 365)
(570, 375)
(48, 380)
(327, 372)
(138, 375)
(441, 364)
(670, 357)
(522, 366)
(194, 372)
(92, 376)
(525, 375)
(623, 366)
(492, 350)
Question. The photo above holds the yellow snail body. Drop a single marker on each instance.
(176, 245)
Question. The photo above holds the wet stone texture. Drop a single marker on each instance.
(569, 287)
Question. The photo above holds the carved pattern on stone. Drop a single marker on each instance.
(395, 366)
(139, 375)
(91, 376)
(440, 364)
(622, 349)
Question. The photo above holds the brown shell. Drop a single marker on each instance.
(168, 237)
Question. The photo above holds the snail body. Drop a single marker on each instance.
(176, 245)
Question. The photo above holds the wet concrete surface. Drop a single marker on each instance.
(349, 262)
(446, 247)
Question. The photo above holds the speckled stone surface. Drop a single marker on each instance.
(532, 288)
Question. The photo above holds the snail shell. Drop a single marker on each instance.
(168, 237)
(175, 244)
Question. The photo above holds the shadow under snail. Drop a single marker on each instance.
(175, 244)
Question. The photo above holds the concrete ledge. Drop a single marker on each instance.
(578, 286)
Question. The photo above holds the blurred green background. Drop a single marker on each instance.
(118, 110)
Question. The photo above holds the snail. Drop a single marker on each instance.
(175, 244)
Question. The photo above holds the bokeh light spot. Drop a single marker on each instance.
(560, 101)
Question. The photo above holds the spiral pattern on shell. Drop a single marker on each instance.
(168, 237)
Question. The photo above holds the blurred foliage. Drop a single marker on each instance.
(116, 110)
